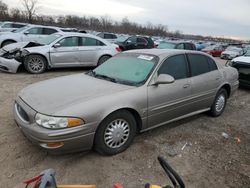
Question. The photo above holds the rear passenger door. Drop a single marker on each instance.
(205, 80)
(90, 50)
(141, 43)
(169, 101)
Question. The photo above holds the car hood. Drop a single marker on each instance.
(244, 59)
(51, 96)
(19, 45)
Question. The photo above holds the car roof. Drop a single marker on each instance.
(163, 52)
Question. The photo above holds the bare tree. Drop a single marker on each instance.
(3, 10)
(30, 7)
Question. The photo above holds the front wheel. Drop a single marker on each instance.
(35, 64)
(115, 133)
(219, 104)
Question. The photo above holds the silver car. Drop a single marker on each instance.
(55, 51)
(130, 93)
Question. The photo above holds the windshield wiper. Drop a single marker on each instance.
(94, 74)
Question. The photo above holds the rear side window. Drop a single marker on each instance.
(141, 40)
(189, 46)
(48, 31)
(109, 36)
(212, 64)
(199, 64)
(86, 41)
(36, 31)
(18, 25)
(175, 66)
(180, 46)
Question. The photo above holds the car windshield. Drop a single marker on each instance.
(49, 39)
(166, 45)
(129, 69)
(21, 29)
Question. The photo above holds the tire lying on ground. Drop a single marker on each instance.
(35, 64)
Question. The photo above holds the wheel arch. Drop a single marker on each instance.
(6, 40)
(47, 61)
(135, 114)
(227, 87)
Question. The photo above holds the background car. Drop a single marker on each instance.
(130, 93)
(55, 51)
(27, 33)
(214, 50)
(242, 64)
(10, 26)
(231, 52)
(136, 42)
(111, 37)
(177, 45)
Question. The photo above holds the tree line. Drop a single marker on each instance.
(29, 15)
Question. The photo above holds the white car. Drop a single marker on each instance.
(27, 33)
(111, 37)
(231, 52)
(56, 51)
(10, 26)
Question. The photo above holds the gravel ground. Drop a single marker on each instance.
(208, 160)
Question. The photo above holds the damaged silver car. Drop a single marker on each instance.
(56, 51)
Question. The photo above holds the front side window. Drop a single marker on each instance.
(18, 25)
(35, 31)
(132, 39)
(199, 64)
(7, 25)
(175, 66)
(189, 46)
(69, 41)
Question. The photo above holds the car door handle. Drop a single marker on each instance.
(186, 86)
(217, 78)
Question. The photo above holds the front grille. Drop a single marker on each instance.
(22, 114)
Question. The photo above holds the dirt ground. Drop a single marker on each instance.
(208, 160)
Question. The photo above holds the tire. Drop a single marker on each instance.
(108, 138)
(103, 59)
(219, 104)
(35, 64)
(5, 43)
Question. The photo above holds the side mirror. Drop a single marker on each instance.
(164, 79)
(26, 32)
(57, 45)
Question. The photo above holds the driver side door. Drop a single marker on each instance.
(169, 101)
(66, 54)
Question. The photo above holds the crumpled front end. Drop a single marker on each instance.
(9, 65)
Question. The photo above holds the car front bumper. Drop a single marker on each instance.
(9, 65)
(74, 139)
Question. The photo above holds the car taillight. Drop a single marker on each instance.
(118, 49)
(154, 45)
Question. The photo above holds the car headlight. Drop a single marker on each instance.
(24, 53)
(51, 122)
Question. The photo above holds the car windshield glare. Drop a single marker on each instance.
(49, 39)
(130, 69)
(166, 45)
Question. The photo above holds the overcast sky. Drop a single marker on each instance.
(229, 18)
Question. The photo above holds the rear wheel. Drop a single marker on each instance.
(35, 64)
(103, 59)
(115, 133)
(219, 104)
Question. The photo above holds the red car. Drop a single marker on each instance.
(214, 50)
